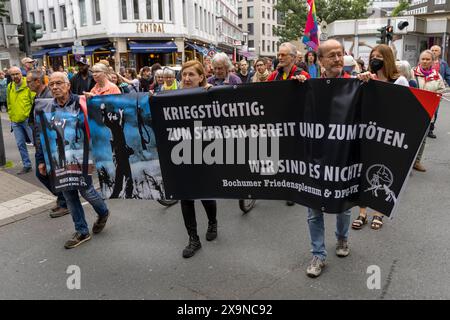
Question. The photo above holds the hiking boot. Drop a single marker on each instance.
(192, 247)
(419, 167)
(342, 249)
(431, 135)
(100, 224)
(59, 212)
(315, 267)
(24, 171)
(211, 234)
(290, 203)
(76, 240)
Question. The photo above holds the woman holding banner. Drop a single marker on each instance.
(382, 68)
(429, 79)
(193, 76)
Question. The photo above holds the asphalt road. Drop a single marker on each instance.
(262, 255)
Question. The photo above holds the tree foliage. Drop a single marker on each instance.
(292, 14)
(295, 12)
(402, 6)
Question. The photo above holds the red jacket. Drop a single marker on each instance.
(277, 75)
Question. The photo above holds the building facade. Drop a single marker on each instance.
(384, 5)
(9, 42)
(428, 6)
(129, 33)
(258, 18)
(359, 36)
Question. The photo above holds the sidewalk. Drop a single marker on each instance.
(20, 199)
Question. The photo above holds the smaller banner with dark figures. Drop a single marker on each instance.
(124, 147)
(65, 142)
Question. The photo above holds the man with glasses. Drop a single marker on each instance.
(331, 57)
(287, 70)
(19, 100)
(65, 101)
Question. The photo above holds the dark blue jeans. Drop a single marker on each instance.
(45, 180)
(76, 209)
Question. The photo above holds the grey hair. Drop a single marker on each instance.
(159, 72)
(60, 74)
(429, 52)
(100, 67)
(291, 47)
(404, 68)
(222, 57)
(169, 72)
(37, 74)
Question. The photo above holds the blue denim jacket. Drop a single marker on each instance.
(445, 71)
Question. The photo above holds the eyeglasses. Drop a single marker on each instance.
(284, 55)
(339, 55)
(56, 84)
(259, 65)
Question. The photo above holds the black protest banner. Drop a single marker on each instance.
(65, 142)
(329, 144)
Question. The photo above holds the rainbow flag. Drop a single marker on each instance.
(311, 37)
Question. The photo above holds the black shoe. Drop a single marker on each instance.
(24, 171)
(290, 203)
(100, 224)
(211, 234)
(431, 135)
(193, 246)
(76, 240)
(59, 212)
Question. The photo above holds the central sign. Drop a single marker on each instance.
(142, 27)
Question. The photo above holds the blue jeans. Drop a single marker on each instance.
(317, 230)
(22, 132)
(45, 180)
(76, 209)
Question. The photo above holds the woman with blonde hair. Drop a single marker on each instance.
(193, 76)
(103, 86)
(427, 78)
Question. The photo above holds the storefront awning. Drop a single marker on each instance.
(59, 52)
(153, 47)
(200, 49)
(89, 50)
(41, 53)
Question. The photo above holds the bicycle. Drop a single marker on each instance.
(246, 205)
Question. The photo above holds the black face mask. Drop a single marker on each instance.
(376, 65)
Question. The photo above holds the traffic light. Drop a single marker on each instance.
(389, 33)
(382, 35)
(32, 28)
(21, 33)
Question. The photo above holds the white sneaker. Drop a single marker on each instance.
(342, 249)
(315, 267)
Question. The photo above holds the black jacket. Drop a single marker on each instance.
(78, 85)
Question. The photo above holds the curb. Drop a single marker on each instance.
(26, 215)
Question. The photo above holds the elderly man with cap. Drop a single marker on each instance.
(28, 65)
(83, 81)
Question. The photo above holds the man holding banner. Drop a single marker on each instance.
(65, 101)
(331, 57)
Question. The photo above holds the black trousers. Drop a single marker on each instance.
(188, 210)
